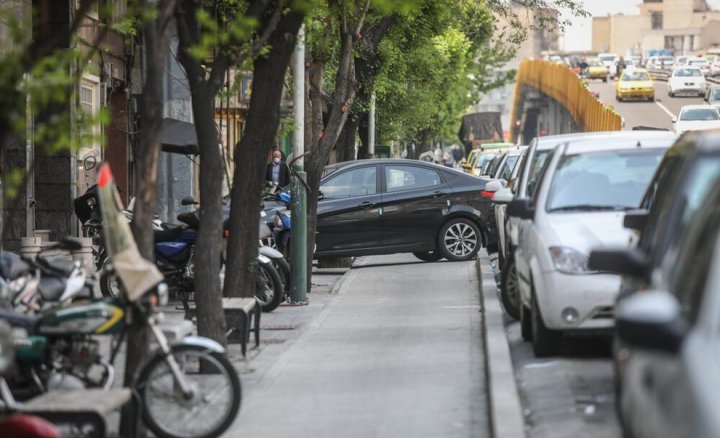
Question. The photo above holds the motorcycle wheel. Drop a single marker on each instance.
(109, 282)
(269, 289)
(283, 269)
(212, 406)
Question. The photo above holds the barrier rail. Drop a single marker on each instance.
(565, 86)
(663, 75)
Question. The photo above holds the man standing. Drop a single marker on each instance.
(277, 171)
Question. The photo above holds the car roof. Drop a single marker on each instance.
(691, 107)
(639, 70)
(551, 141)
(628, 140)
(516, 152)
(405, 161)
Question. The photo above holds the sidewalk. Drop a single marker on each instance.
(396, 351)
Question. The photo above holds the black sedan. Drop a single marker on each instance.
(387, 206)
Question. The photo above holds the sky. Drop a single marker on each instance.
(578, 36)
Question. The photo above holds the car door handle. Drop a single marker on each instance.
(437, 195)
(367, 204)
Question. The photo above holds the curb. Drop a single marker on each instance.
(506, 412)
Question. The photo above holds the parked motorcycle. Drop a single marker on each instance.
(181, 382)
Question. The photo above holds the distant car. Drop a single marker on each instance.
(665, 62)
(696, 117)
(609, 60)
(597, 70)
(470, 161)
(714, 65)
(585, 189)
(686, 80)
(680, 61)
(635, 84)
(387, 206)
(701, 63)
(712, 96)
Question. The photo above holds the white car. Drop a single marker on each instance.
(686, 80)
(609, 60)
(680, 61)
(579, 204)
(701, 63)
(696, 117)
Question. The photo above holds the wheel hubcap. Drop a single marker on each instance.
(460, 239)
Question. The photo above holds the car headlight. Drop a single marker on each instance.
(569, 261)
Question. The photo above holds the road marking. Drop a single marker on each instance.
(664, 108)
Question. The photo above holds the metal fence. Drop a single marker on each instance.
(561, 83)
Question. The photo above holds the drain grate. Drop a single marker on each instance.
(270, 341)
(279, 327)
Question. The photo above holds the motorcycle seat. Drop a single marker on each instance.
(13, 266)
(51, 288)
(167, 235)
(189, 219)
(19, 320)
(57, 266)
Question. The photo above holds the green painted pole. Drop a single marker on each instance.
(298, 207)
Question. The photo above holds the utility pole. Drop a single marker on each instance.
(298, 232)
(371, 128)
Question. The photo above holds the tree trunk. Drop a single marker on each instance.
(208, 250)
(251, 156)
(346, 143)
(157, 41)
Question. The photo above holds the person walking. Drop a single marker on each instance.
(277, 170)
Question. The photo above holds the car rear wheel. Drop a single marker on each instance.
(428, 256)
(459, 240)
(546, 342)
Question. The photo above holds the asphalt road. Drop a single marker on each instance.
(656, 114)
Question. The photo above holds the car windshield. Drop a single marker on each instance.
(715, 94)
(607, 58)
(699, 114)
(483, 159)
(594, 63)
(636, 76)
(698, 62)
(687, 72)
(666, 59)
(607, 180)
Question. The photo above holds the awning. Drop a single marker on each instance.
(179, 137)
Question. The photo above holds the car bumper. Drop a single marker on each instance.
(590, 297)
(636, 94)
(689, 89)
(597, 75)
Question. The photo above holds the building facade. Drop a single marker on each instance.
(684, 27)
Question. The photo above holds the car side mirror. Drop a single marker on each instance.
(636, 219)
(503, 196)
(494, 186)
(651, 320)
(674, 119)
(188, 200)
(521, 208)
(632, 262)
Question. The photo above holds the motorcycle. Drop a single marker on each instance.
(32, 285)
(182, 381)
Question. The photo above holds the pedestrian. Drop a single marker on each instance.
(277, 170)
(620, 67)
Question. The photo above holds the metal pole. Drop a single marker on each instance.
(371, 128)
(298, 232)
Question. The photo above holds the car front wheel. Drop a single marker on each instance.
(546, 342)
(459, 240)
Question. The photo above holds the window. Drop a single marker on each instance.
(356, 182)
(700, 114)
(612, 180)
(89, 106)
(398, 178)
(656, 20)
(536, 168)
(636, 76)
(508, 168)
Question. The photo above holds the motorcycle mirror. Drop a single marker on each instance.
(188, 200)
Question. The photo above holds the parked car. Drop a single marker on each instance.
(672, 388)
(388, 206)
(686, 80)
(586, 187)
(696, 117)
(680, 186)
(714, 65)
(524, 184)
(635, 84)
(712, 96)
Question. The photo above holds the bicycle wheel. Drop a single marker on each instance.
(269, 290)
(214, 399)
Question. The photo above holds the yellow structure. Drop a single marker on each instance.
(562, 84)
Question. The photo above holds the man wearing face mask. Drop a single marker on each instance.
(277, 170)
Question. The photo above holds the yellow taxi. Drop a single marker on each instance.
(482, 156)
(635, 84)
(470, 160)
(596, 69)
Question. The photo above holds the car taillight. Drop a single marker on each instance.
(487, 194)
